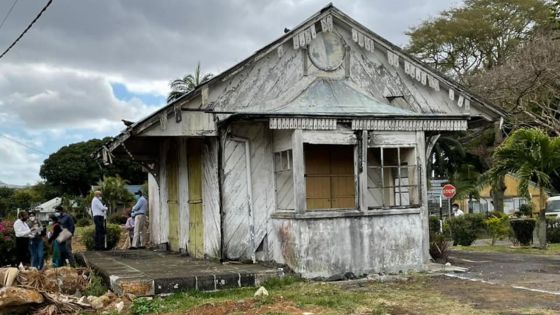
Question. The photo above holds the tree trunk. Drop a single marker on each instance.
(500, 187)
(498, 192)
(541, 221)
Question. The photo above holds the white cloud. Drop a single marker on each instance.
(44, 97)
(19, 165)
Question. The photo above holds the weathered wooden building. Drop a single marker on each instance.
(311, 153)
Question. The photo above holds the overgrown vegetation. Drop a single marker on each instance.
(465, 229)
(523, 230)
(498, 227)
(7, 244)
(96, 286)
(113, 234)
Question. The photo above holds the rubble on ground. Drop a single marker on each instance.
(53, 291)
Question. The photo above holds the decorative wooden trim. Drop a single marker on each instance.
(409, 125)
(303, 123)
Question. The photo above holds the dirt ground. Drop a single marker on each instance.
(495, 283)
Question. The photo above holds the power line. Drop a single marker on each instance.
(23, 144)
(8, 14)
(27, 28)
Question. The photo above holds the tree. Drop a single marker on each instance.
(447, 155)
(480, 35)
(72, 169)
(115, 193)
(531, 155)
(186, 84)
(527, 85)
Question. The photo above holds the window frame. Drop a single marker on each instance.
(411, 188)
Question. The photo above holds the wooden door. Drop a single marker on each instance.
(329, 171)
(172, 169)
(195, 246)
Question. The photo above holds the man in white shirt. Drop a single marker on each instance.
(99, 212)
(23, 234)
(456, 211)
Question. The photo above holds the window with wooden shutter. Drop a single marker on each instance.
(329, 176)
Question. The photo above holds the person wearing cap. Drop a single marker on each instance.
(66, 222)
(36, 241)
(99, 213)
(139, 214)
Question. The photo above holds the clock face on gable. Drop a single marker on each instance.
(327, 51)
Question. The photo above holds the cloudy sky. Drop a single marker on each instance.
(86, 64)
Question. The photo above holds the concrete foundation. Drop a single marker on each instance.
(146, 273)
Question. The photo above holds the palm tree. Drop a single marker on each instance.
(531, 155)
(186, 84)
(447, 155)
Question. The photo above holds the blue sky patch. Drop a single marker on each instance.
(122, 93)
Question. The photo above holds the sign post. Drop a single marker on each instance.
(448, 191)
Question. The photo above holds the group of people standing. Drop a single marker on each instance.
(134, 224)
(31, 234)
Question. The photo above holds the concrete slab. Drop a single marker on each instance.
(147, 272)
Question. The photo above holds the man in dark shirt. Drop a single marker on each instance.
(67, 222)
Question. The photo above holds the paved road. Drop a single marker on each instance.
(531, 272)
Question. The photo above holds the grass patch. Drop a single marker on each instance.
(552, 249)
(96, 286)
(317, 297)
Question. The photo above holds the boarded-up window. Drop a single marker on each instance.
(392, 177)
(329, 176)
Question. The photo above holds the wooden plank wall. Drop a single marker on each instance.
(235, 201)
(183, 195)
(154, 209)
(237, 227)
(211, 198)
(163, 195)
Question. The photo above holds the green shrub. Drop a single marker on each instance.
(553, 230)
(96, 286)
(83, 222)
(523, 230)
(117, 218)
(466, 228)
(141, 306)
(526, 210)
(497, 227)
(439, 248)
(434, 225)
(113, 235)
(7, 244)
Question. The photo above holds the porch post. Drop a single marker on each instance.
(298, 171)
(362, 176)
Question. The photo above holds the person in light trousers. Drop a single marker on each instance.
(139, 214)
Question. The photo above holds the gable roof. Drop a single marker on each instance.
(330, 9)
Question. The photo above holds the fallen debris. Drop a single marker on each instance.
(17, 296)
(261, 292)
(53, 291)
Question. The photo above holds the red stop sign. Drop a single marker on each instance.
(448, 191)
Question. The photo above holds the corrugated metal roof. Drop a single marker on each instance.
(328, 96)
